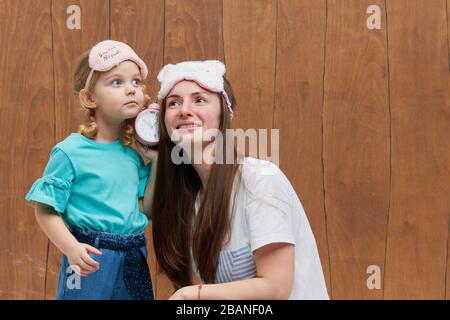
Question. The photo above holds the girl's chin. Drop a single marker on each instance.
(132, 112)
(132, 107)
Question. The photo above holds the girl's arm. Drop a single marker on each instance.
(55, 229)
(275, 276)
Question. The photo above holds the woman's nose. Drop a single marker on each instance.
(185, 108)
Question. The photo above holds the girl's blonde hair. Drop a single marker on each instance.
(89, 127)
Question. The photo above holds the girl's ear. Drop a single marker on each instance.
(86, 99)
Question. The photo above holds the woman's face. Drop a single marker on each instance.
(191, 109)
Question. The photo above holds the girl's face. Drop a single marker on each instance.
(118, 93)
(189, 108)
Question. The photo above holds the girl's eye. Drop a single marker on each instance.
(200, 100)
(136, 82)
(116, 82)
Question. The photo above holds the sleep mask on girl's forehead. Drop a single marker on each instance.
(107, 54)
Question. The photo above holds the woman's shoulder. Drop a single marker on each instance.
(259, 170)
(264, 177)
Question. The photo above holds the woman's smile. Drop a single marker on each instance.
(189, 126)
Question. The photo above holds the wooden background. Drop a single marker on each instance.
(364, 118)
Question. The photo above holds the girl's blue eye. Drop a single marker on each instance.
(136, 82)
(115, 82)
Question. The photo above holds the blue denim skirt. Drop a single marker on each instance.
(123, 272)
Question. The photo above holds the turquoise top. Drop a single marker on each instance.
(94, 185)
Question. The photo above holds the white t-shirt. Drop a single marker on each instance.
(267, 210)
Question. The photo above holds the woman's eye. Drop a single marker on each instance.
(173, 103)
(200, 100)
(116, 82)
(136, 82)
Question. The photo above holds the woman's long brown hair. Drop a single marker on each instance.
(176, 228)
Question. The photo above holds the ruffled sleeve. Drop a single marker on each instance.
(54, 187)
(144, 174)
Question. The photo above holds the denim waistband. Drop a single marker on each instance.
(136, 275)
(107, 240)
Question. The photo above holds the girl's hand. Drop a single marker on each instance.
(149, 153)
(80, 260)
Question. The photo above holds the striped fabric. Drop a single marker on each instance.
(237, 264)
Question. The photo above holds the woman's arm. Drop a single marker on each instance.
(275, 265)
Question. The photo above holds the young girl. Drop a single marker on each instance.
(92, 199)
(239, 226)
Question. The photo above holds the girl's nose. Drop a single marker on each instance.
(130, 90)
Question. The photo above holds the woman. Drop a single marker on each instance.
(238, 226)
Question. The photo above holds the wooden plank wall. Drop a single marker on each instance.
(27, 134)
(364, 119)
(417, 238)
(355, 147)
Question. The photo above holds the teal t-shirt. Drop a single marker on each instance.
(94, 185)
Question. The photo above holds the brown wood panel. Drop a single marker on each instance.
(250, 59)
(190, 34)
(26, 135)
(447, 274)
(193, 30)
(298, 108)
(67, 46)
(140, 23)
(419, 215)
(355, 146)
